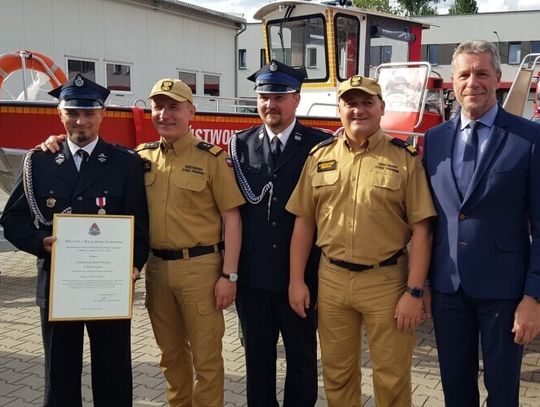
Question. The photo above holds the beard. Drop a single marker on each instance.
(81, 138)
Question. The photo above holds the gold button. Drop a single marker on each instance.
(462, 216)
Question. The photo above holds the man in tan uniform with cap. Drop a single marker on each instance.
(192, 193)
(366, 194)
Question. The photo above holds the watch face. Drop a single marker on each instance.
(415, 292)
(233, 277)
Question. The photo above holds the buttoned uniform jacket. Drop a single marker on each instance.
(264, 259)
(482, 240)
(112, 172)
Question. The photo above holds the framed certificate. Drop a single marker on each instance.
(91, 267)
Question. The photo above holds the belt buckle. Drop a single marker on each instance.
(185, 253)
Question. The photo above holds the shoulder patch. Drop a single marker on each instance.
(403, 144)
(323, 143)
(148, 146)
(211, 148)
(124, 149)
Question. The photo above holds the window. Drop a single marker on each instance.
(291, 40)
(514, 52)
(535, 47)
(433, 54)
(263, 57)
(346, 33)
(242, 59)
(211, 85)
(118, 77)
(190, 79)
(85, 68)
(312, 58)
(380, 55)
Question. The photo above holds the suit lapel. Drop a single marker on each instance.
(447, 148)
(66, 171)
(292, 148)
(96, 167)
(495, 140)
(262, 146)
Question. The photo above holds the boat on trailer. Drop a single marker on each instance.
(331, 40)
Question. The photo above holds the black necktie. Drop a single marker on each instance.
(276, 148)
(469, 157)
(84, 159)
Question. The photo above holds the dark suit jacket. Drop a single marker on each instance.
(112, 172)
(264, 260)
(483, 239)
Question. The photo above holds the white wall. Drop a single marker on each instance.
(154, 43)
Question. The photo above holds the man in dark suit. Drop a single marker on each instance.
(90, 176)
(484, 171)
(268, 160)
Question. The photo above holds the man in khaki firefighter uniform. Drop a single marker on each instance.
(366, 195)
(192, 194)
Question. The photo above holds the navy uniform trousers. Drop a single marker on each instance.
(115, 174)
(262, 297)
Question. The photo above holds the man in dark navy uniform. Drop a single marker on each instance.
(90, 176)
(268, 160)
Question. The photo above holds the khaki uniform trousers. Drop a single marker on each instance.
(187, 327)
(346, 300)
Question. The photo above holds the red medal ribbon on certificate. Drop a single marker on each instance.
(101, 202)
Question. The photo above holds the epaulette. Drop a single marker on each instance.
(211, 148)
(124, 149)
(403, 144)
(322, 144)
(148, 146)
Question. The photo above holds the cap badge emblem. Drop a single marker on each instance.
(273, 67)
(356, 80)
(78, 82)
(166, 85)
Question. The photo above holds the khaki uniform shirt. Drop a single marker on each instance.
(363, 203)
(187, 188)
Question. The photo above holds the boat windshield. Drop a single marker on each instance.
(300, 42)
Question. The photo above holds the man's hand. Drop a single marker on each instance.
(52, 144)
(225, 292)
(526, 321)
(299, 298)
(409, 312)
(47, 243)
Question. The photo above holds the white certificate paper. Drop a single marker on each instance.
(91, 267)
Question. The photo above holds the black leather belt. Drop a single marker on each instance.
(392, 260)
(187, 253)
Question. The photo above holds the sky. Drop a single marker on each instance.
(248, 7)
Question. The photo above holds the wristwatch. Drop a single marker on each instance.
(415, 292)
(232, 277)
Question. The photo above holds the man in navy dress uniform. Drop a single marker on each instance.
(87, 175)
(268, 160)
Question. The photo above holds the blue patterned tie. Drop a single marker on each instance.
(469, 158)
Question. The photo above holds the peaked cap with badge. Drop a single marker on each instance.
(80, 93)
(276, 77)
(173, 88)
(358, 82)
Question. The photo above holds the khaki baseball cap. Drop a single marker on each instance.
(173, 88)
(362, 83)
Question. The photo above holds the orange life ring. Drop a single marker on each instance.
(12, 62)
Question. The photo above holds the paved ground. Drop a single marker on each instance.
(21, 361)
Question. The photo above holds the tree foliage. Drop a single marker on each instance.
(403, 7)
(464, 7)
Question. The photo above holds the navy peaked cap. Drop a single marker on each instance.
(80, 93)
(276, 77)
